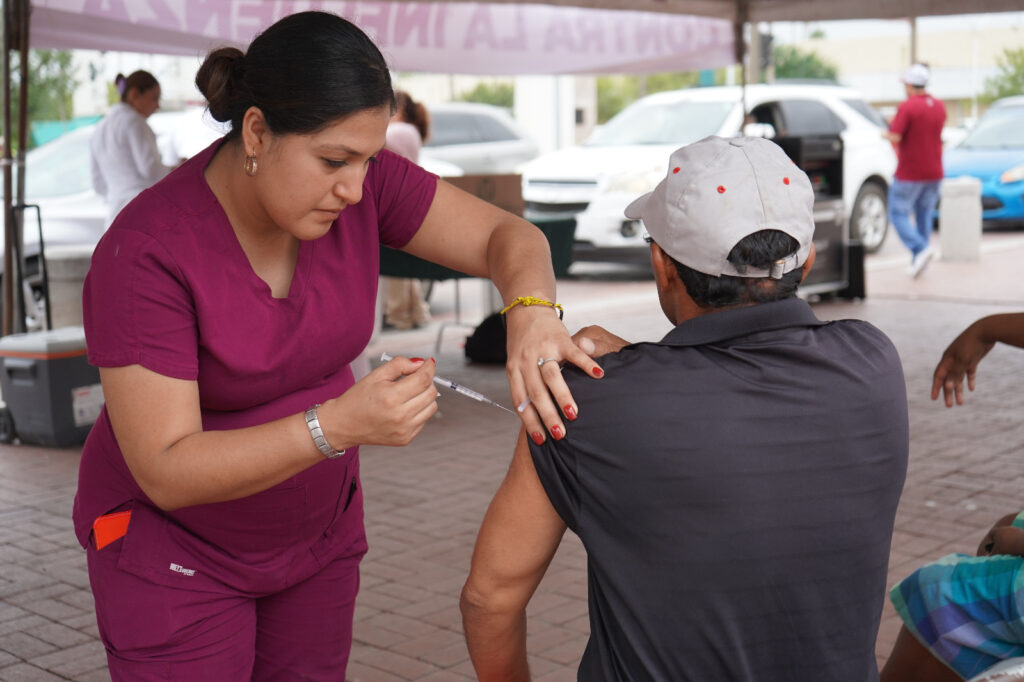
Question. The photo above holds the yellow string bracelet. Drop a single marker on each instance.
(531, 300)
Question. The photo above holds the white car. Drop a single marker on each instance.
(58, 178)
(478, 138)
(626, 157)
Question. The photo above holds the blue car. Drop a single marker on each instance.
(993, 152)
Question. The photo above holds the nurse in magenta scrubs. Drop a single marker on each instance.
(219, 496)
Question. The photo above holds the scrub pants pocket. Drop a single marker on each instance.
(158, 632)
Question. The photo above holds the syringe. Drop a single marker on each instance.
(458, 388)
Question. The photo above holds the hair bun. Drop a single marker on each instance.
(219, 79)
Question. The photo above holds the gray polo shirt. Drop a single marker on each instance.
(735, 486)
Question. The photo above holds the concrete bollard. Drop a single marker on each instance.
(66, 267)
(960, 219)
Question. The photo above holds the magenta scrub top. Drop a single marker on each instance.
(170, 289)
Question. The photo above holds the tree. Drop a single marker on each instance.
(498, 94)
(51, 83)
(791, 62)
(1009, 80)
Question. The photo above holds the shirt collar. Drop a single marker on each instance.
(736, 322)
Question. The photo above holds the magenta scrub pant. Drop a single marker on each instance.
(157, 632)
(267, 592)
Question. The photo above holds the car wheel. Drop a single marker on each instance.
(869, 222)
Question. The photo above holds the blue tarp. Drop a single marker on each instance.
(44, 131)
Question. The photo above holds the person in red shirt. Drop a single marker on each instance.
(916, 132)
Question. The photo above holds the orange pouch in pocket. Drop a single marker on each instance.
(110, 527)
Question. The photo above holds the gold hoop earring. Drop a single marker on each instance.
(250, 166)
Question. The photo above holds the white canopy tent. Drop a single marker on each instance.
(439, 37)
(496, 37)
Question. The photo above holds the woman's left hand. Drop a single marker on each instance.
(538, 343)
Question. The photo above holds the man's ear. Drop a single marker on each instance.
(808, 264)
(664, 269)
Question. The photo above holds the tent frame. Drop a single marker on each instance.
(740, 12)
(15, 38)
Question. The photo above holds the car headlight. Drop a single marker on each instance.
(1015, 174)
(637, 182)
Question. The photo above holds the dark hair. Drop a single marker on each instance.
(138, 80)
(757, 250)
(304, 72)
(413, 112)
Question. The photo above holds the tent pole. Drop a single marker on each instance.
(740, 46)
(913, 40)
(8, 297)
(18, 216)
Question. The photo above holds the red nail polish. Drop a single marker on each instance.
(537, 438)
(416, 359)
(557, 433)
(598, 372)
(433, 361)
(570, 412)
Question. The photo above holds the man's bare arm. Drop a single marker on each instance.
(517, 540)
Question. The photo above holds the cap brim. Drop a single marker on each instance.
(636, 207)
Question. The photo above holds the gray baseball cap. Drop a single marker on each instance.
(720, 190)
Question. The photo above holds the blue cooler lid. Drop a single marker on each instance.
(63, 342)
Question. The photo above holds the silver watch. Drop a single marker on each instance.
(318, 435)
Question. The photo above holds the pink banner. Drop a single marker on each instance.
(437, 37)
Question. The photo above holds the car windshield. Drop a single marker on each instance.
(1000, 128)
(58, 168)
(675, 123)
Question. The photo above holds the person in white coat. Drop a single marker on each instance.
(125, 157)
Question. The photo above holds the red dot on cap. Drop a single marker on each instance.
(785, 181)
(676, 169)
(721, 189)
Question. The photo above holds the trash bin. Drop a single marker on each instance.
(52, 392)
(560, 233)
(960, 219)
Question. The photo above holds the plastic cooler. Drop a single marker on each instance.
(52, 392)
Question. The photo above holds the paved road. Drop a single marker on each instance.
(424, 502)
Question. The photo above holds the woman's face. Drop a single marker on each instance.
(147, 102)
(305, 181)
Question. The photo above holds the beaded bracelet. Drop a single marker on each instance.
(531, 300)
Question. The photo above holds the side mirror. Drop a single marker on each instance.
(765, 130)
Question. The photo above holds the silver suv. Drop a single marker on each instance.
(478, 138)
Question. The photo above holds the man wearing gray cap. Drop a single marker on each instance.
(916, 132)
(735, 483)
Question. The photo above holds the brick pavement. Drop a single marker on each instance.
(424, 502)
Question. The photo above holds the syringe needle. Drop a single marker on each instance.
(458, 388)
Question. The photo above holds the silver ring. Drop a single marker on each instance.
(541, 361)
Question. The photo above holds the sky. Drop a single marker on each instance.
(786, 32)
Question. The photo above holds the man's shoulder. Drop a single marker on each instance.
(845, 341)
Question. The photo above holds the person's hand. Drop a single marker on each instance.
(960, 359)
(988, 543)
(536, 334)
(388, 406)
(596, 341)
(1003, 540)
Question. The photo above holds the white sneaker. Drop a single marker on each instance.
(920, 262)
